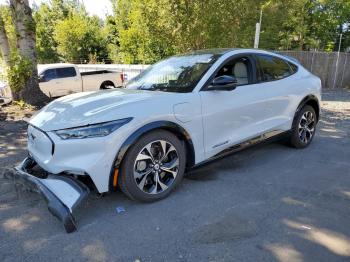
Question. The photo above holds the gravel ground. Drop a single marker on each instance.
(267, 203)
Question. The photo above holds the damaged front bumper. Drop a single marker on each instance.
(62, 193)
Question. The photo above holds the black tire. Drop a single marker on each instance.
(295, 137)
(127, 182)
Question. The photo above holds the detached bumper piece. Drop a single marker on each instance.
(62, 193)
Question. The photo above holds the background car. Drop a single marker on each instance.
(5, 93)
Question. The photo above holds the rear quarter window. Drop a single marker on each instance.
(293, 68)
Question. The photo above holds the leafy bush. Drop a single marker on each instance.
(19, 72)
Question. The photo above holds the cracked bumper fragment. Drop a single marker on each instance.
(62, 193)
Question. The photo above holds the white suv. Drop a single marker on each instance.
(177, 114)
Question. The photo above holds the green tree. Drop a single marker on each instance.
(17, 39)
(80, 38)
(330, 19)
(304, 24)
(46, 45)
(111, 35)
(46, 16)
(143, 30)
(150, 30)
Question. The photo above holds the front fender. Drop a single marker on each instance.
(176, 129)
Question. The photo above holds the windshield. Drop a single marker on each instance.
(175, 74)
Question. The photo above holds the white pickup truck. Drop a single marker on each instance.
(63, 79)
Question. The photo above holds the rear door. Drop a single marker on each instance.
(274, 76)
(69, 80)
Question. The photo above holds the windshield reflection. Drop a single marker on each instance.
(175, 74)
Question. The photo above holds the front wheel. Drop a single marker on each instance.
(304, 127)
(153, 167)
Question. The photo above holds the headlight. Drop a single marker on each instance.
(95, 130)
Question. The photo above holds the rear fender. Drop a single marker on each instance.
(310, 99)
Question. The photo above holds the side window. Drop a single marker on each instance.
(272, 68)
(66, 72)
(240, 68)
(293, 67)
(49, 74)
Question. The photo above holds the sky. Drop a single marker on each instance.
(94, 7)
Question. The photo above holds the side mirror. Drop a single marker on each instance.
(41, 78)
(223, 83)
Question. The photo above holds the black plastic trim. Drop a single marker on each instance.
(97, 72)
(238, 147)
(305, 101)
(167, 125)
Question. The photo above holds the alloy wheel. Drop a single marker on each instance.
(156, 167)
(306, 128)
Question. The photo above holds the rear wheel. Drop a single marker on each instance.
(153, 166)
(107, 85)
(304, 127)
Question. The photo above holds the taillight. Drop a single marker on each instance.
(124, 77)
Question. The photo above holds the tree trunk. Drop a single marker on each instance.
(25, 28)
(4, 44)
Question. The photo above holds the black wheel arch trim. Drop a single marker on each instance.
(102, 86)
(306, 100)
(166, 125)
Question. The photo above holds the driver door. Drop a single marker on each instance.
(231, 117)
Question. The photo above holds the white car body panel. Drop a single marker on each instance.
(106, 106)
(214, 120)
(65, 192)
(250, 110)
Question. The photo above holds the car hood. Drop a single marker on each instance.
(89, 108)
